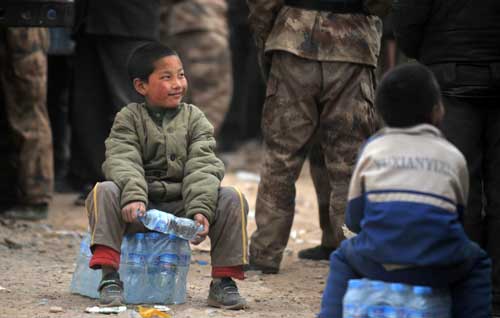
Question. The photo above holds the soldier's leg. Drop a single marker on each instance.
(206, 56)
(289, 120)
(25, 82)
(347, 120)
(319, 176)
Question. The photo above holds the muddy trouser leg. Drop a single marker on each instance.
(228, 232)
(347, 120)
(319, 176)
(289, 120)
(23, 77)
(107, 226)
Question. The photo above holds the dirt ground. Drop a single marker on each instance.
(37, 260)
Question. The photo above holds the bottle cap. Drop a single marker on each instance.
(397, 287)
(422, 290)
(355, 283)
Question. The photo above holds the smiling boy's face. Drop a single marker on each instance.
(166, 85)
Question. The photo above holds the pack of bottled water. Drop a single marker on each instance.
(153, 265)
(375, 299)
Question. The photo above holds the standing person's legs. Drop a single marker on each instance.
(491, 179)
(463, 126)
(100, 68)
(289, 121)
(24, 81)
(347, 119)
(319, 176)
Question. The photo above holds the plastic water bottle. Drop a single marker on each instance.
(135, 275)
(377, 302)
(397, 298)
(85, 280)
(184, 253)
(420, 303)
(167, 223)
(354, 299)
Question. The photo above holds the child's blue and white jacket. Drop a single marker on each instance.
(406, 198)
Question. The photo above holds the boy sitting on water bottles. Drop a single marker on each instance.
(406, 199)
(160, 155)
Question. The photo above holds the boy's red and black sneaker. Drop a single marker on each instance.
(111, 290)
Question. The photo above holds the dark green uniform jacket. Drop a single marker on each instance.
(164, 155)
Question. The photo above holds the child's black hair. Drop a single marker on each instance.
(407, 95)
(141, 61)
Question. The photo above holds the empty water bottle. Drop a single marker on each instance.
(167, 223)
(85, 280)
(354, 302)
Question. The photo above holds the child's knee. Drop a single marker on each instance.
(233, 198)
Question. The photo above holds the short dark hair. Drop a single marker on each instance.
(142, 59)
(407, 95)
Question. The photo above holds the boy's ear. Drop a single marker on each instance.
(140, 86)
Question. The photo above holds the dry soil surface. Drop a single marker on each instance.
(37, 260)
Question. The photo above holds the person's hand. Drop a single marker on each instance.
(132, 210)
(200, 219)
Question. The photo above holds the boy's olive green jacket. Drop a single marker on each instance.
(164, 156)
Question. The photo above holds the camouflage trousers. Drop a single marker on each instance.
(308, 102)
(23, 85)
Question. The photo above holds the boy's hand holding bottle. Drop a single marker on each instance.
(133, 210)
(200, 219)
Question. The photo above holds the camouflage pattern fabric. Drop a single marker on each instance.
(198, 31)
(316, 35)
(319, 176)
(304, 98)
(23, 85)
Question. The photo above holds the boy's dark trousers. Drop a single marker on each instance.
(469, 282)
(228, 236)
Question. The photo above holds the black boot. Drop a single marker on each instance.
(316, 253)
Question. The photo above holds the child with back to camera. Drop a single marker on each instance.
(405, 202)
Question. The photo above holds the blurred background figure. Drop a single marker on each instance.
(106, 32)
(197, 30)
(60, 74)
(459, 42)
(242, 121)
(27, 168)
(390, 54)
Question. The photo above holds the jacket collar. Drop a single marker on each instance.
(422, 129)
